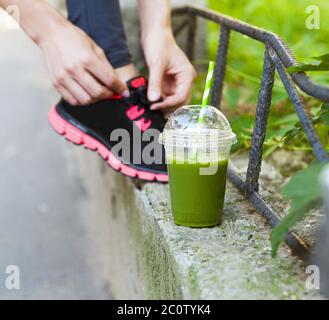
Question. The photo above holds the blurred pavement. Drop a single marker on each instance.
(46, 228)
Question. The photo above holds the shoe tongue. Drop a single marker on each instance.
(137, 83)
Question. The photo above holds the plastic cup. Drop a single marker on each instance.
(197, 155)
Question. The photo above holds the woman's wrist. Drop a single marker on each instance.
(40, 21)
(156, 35)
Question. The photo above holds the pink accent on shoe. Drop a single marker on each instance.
(139, 82)
(162, 177)
(90, 143)
(146, 176)
(57, 122)
(131, 172)
(143, 124)
(103, 152)
(134, 112)
(76, 136)
(115, 97)
(114, 162)
(73, 135)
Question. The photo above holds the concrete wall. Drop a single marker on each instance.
(152, 258)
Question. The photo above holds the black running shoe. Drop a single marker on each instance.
(93, 127)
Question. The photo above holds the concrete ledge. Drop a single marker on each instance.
(152, 258)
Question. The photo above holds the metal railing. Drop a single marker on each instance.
(277, 57)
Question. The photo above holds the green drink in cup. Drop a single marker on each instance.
(197, 157)
(197, 140)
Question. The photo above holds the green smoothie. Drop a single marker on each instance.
(197, 200)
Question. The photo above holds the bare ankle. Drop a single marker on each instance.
(126, 72)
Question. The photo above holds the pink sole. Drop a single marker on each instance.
(78, 137)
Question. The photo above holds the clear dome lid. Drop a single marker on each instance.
(185, 125)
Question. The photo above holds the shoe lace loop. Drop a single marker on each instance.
(139, 97)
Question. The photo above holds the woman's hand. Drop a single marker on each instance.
(78, 68)
(171, 74)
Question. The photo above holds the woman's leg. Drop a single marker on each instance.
(102, 21)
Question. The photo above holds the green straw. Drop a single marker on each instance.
(207, 89)
(205, 101)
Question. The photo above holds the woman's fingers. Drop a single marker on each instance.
(96, 90)
(79, 93)
(79, 68)
(181, 94)
(67, 96)
(102, 70)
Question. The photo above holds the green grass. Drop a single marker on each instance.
(286, 18)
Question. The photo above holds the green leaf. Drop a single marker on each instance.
(321, 64)
(322, 130)
(303, 67)
(290, 134)
(296, 213)
(325, 107)
(324, 113)
(325, 118)
(304, 185)
(323, 57)
(304, 191)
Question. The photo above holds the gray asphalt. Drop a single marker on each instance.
(43, 206)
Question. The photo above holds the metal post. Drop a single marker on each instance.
(262, 111)
(190, 44)
(220, 68)
(178, 29)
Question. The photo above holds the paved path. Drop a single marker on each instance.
(45, 226)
